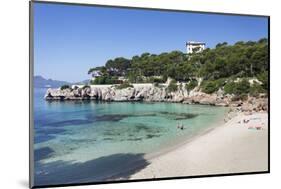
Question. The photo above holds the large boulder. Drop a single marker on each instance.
(208, 100)
(126, 94)
(58, 94)
(177, 97)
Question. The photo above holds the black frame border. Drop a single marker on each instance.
(31, 65)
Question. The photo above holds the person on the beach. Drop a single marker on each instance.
(245, 121)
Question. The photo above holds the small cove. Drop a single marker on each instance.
(78, 132)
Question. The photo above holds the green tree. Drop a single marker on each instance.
(244, 59)
(65, 87)
(191, 85)
(238, 88)
(172, 87)
(263, 77)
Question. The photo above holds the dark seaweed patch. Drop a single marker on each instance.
(113, 117)
(143, 114)
(132, 133)
(83, 140)
(152, 136)
(38, 121)
(108, 138)
(72, 148)
(70, 122)
(43, 153)
(142, 127)
(180, 116)
(116, 117)
(42, 138)
(43, 134)
(112, 167)
(134, 139)
(185, 117)
(47, 131)
(111, 133)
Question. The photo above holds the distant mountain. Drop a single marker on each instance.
(84, 82)
(40, 82)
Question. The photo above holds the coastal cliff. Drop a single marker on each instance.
(227, 75)
(152, 93)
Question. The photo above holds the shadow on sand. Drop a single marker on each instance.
(112, 167)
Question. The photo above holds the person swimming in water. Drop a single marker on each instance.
(180, 126)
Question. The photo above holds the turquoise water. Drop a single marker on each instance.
(87, 141)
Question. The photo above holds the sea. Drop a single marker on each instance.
(92, 141)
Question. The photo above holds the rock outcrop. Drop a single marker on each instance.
(151, 93)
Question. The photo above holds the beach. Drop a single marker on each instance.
(121, 141)
(234, 147)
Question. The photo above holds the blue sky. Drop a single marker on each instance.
(68, 40)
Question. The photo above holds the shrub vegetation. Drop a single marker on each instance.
(191, 85)
(65, 87)
(172, 86)
(218, 67)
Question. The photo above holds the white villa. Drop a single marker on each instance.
(192, 46)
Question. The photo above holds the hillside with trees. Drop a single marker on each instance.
(228, 67)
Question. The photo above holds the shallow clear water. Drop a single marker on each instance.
(87, 141)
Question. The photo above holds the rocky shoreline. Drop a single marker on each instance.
(151, 93)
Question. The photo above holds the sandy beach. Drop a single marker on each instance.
(231, 148)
